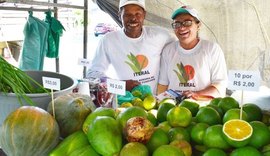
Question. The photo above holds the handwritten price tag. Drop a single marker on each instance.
(116, 87)
(84, 62)
(51, 83)
(244, 80)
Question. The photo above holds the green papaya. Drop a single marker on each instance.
(84, 151)
(105, 136)
(100, 111)
(74, 141)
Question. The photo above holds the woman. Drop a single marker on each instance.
(191, 65)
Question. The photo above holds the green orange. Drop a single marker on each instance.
(237, 132)
(178, 133)
(245, 151)
(208, 115)
(261, 134)
(134, 149)
(253, 111)
(197, 132)
(179, 116)
(215, 101)
(213, 138)
(149, 102)
(183, 145)
(191, 105)
(228, 103)
(163, 110)
(168, 150)
(158, 138)
(234, 114)
(165, 126)
(214, 152)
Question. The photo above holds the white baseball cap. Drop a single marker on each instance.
(140, 3)
(186, 9)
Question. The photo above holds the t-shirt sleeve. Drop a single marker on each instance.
(163, 78)
(219, 69)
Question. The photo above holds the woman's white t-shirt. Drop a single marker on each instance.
(193, 69)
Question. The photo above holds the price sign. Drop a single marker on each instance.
(116, 86)
(84, 62)
(244, 80)
(51, 83)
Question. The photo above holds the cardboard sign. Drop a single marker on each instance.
(244, 80)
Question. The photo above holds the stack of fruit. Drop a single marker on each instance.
(145, 127)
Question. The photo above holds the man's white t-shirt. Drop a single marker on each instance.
(193, 69)
(132, 58)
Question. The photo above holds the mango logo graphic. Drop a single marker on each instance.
(184, 73)
(137, 63)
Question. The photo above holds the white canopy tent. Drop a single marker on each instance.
(241, 27)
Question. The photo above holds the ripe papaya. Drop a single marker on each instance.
(105, 136)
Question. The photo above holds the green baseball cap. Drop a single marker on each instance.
(185, 10)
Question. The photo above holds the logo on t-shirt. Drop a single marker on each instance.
(137, 64)
(184, 74)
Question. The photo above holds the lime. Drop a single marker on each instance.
(237, 132)
(134, 149)
(168, 150)
(158, 138)
(208, 115)
(253, 111)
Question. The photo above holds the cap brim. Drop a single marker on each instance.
(178, 12)
(132, 2)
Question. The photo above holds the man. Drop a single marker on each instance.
(134, 51)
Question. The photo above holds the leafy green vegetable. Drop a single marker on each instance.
(14, 80)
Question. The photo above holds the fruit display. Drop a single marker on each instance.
(147, 127)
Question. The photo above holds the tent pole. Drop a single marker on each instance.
(85, 34)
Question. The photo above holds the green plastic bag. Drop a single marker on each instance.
(34, 46)
(125, 98)
(56, 30)
(143, 89)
